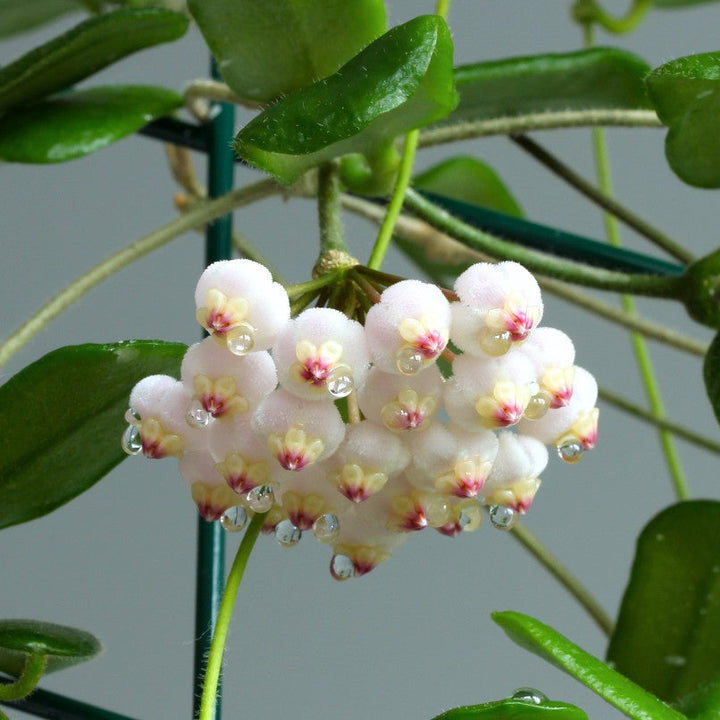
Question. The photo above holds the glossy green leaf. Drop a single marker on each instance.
(61, 421)
(686, 95)
(550, 645)
(667, 636)
(512, 709)
(471, 181)
(401, 81)
(711, 375)
(84, 50)
(74, 124)
(270, 48)
(596, 78)
(20, 16)
(703, 703)
(63, 646)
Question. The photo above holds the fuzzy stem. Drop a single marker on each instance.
(667, 287)
(602, 199)
(315, 284)
(212, 673)
(531, 543)
(396, 202)
(676, 428)
(199, 215)
(30, 676)
(517, 124)
(331, 231)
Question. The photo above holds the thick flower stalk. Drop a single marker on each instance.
(256, 419)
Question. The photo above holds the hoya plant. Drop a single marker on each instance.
(366, 354)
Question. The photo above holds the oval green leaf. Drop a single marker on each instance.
(84, 50)
(270, 48)
(512, 709)
(63, 646)
(469, 180)
(667, 636)
(598, 78)
(77, 123)
(17, 17)
(61, 420)
(616, 689)
(711, 375)
(401, 81)
(686, 95)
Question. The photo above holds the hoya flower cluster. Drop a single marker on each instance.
(429, 435)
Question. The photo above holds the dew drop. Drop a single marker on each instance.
(326, 528)
(570, 452)
(287, 534)
(241, 339)
(131, 440)
(537, 407)
(260, 498)
(234, 518)
(502, 517)
(408, 360)
(197, 416)
(340, 382)
(341, 567)
(132, 416)
(496, 344)
(529, 695)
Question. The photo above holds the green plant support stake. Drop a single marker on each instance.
(210, 577)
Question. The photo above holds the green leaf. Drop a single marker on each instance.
(667, 637)
(63, 646)
(74, 124)
(270, 48)
(469, 180)
(84, 50)
(686, 95)
(703, 703)
(609, 684)
(17, 17)
(597, 78)
(61, 421)
(401, 81)
(711, 374)
(512, 709)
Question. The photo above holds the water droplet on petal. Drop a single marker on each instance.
(131, 440)
(495, 344)
(408, 360)
(340, 382)
(287, 534)
(341, 567)
(241, 339)
(529, 695)
(570, 452)
(326, 528)
(260, 498)
(197, 416)
(502, 517)
(537, 407)
(234, 518)
(132, 416)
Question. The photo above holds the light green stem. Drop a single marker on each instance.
(531, 543)
(29, 678)
(538, 121)
(442, 8)
(590, 11)
(675, 428)
(315, 284)
(329, 220)
(217, 648)
(396, 202)
(642, 354)
(668, 287)
(203, 213)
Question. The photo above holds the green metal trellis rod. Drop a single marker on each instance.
(214, 139)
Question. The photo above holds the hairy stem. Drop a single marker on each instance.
(30, 676)
(217, 649)
(602, 199)
(200, 214)
(531, 543)
(329, 220)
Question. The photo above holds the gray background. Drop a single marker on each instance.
(414, 637)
